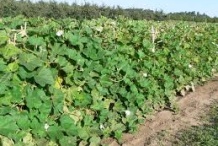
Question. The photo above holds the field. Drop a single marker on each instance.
(68, 82)
(194, 124)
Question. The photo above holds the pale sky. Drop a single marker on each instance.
(209, 7)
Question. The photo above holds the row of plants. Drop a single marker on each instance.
(69, 82)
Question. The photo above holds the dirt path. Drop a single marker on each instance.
(191, 109)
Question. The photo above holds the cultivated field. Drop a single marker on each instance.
(68, 82)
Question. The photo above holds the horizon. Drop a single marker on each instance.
(167, 6)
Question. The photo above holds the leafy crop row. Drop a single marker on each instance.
(77, 82)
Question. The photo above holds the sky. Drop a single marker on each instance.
(209, 7)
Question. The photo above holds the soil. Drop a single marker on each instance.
(161, 128)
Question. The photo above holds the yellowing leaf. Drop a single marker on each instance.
(58, 82)
(76, 116)
(6, 141)
(28, 140)
(12, 67)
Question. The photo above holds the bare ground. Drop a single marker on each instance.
(166, 123)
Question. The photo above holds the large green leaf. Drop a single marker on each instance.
(38, 129)
(30, 61)
(45, 108)
(36, 41)
(44, 77)
(83, 133)
(74, 39)
(62, 61)
(16, 94)
(3, 37)
(66, 121)
(9, 51)
(58, 101)
(57, 49)
(24, 73)
(32, 99)
(54, 132)
(8, 125)
(23, 122)
(3, 65)
(105, 81)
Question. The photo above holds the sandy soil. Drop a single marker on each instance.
(167, 123)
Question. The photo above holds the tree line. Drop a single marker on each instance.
(52, 9)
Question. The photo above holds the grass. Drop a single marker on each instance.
(205, 135)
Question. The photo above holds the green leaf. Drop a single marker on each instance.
(72, 54)
(36, 41)
(58, 101)
(57, 49)
(45, 108)
(4, 110)
(68, 124)
(8, 125)
(32, 99)
(72, 130)
(66, 121)
(9, 51)
(82, 99)
(88, 120)
(3, 89)
(3, 64)
(23, 122)
(69, 69)
(68, 141)
(178, 72)
(76, 56)
(97, 106)
(105, 81)
(62, 61)
(6, 99)
(54, 132)
(38, 129)
(30, 61)
(91, 53)
(134, 89)
(3, 37)
(44, 77)
(118, 135)
(41, 94)
(16, 94)
(74, 39)
(83, 133)
(141, 54)
(24, 73)
(146, 44)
